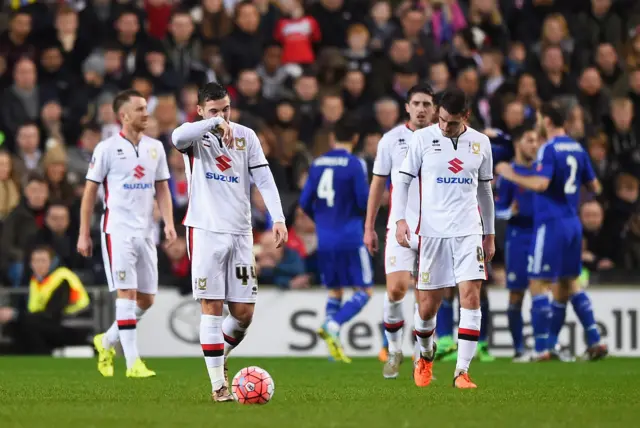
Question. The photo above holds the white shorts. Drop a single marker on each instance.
(398, 258)
(130, 263)
(222, 266)
(446, 262)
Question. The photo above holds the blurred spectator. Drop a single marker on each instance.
(297, 33)
(79, 156)
(28, 155)
(243, 47)
(215, 22)
(21, 225)
(446, 19)
(54, 165)
(17, 42)
(9, 186)
(631, 256)
(596, 253)
(280, 266)
(381, 26)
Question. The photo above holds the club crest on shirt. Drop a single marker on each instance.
(475, 148)
(241, 143)
(153, 153)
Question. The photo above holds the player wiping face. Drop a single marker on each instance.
(222, 108)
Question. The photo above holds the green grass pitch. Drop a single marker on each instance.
(38, 392)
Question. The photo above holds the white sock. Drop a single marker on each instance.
(112, 336)
(126, 320)
(213, 348)
(233, 334)
(468, 333)
(393, 323)
(424, 334)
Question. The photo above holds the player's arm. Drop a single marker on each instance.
(308, 195)
(544, 171)
(96, 174)
(163, 196)
(409, 170)
(381, 170)
(589, 177)
(361, 186)
(485, 202)
(187, 134)
(263, 179)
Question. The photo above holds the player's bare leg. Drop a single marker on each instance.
(234, 328)
(397, 286)
(540, 317)
(212, 343)
(468, 331)
(569, 289)
(425, 325)
(516, 324)
(105, 342)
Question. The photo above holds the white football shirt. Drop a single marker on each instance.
(219, 181)
(128, 174)
(449, 173)
(392, 149)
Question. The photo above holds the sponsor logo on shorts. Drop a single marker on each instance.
(122, 275)
(425, 277)
(201, 283)
(392, 260)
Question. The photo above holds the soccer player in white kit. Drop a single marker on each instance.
(454, 165)
(133, 170)
(221, 160)
(399, 262)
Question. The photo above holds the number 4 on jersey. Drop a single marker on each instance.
(325, 187)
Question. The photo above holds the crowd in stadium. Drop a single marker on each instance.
(293, 69)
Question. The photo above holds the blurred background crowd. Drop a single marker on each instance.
(293, 68)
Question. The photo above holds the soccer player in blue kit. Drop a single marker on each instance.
(335, 197)
(554, 262)
(515, 204)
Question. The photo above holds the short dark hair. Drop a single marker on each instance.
(345, 130)
(421, 88)
(35, 176)
(43, 248)
(554, 111)
(124, 97)
(454, 101)
(519, 131)
(212, 91)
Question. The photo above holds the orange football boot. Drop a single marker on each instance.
(463, 381)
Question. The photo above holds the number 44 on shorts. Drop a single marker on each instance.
(244, 273)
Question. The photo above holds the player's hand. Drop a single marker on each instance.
(515, 208)
(226, 132)
(403, 234)
(504, 169)
(371, 241)
(85, 246)
(6, 315)
(489, 247)
(280, 234)
(170, 234)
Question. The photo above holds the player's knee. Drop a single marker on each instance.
(145, 301)
(516, 298)
(336, 293)
(427, 310)
(127, 294)
(561, 294)
(537, 287)
(449, 294)
(397, 289)
(243, 312)
(470, 295)
(211, 307)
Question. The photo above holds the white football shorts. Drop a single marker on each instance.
(222, 266)
(445, 262)
(398, 258)
(130, 263)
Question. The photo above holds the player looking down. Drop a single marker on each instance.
(454, 166)
(221, 158)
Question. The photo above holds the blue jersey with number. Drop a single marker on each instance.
(557, 244)
(519, 227)
(335, 197)
(563, 161)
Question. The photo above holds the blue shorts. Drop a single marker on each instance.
(516, 255)
(346, 268)
(556, 249)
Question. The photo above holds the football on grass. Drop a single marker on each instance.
(252, 385)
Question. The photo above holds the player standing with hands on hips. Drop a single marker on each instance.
(133, 170)
(221, 158)
(454, 166)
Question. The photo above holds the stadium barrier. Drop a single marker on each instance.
(285, 324)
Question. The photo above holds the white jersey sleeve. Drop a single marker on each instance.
(383, 163)
(162, 173)
(411, 165)
(99, 165)
(485, 172)
(257, 158)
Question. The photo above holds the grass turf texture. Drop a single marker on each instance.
(39, 392)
